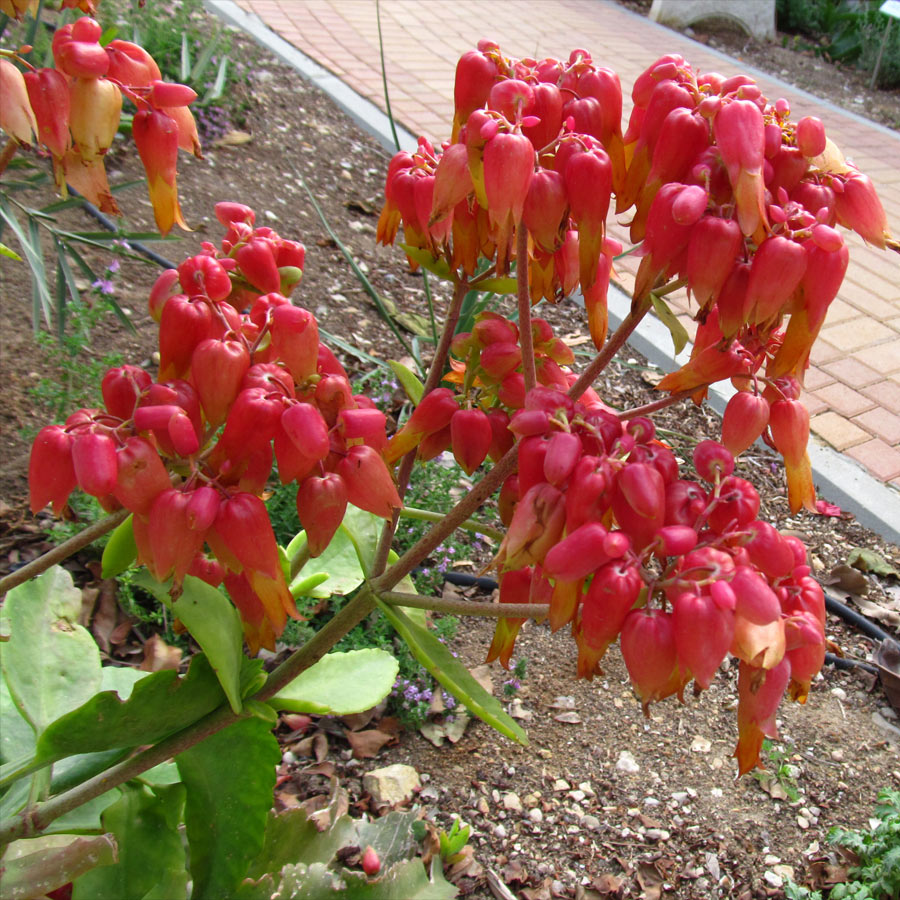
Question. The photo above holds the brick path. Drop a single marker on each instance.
(853, 384)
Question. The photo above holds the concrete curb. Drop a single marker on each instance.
(842, 481)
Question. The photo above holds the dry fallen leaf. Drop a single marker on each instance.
(158, 655)
(650, 879)
(366, 744)
(847, 579)
(568, 718)
(233, 139)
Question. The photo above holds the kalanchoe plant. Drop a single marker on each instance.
(603, 533)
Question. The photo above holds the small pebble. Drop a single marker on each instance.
(535, 815)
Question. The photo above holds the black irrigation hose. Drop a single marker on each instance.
(844, 662)
(867, 626)
(461, 579)
(109, 225)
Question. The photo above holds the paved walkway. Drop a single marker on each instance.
(853, 384)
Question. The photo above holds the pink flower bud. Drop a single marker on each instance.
(810, 135)
(94, 459)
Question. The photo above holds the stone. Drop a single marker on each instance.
(392, 785)
(535, 815)
(626, 763)
(756, 17)
(591, 823)
(512, 802)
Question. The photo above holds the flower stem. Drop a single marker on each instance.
(656, 405)
(426, 515)
(435, 373)
(459, 607)
(526, 341)
(610, 348)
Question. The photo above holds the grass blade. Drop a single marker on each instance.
(218, 86)
(184, 73)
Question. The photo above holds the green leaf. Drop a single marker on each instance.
(184, 72)
(9, 254)
(452, 674)
(213, 622)
(407, 880)
(340, 684)
(438, 267)
(391, 836)
(670, 320)
(408, 380)
(499, 285)
(35, 258)
(229, 779)
(292, 838)
(203, 61)
(120, 679)
(145, 824)
(869, 561)
(51, 663)
(218, 86)
(364, 530)
(159, 704)
(17, 738)
(36, 866)
(120, 550)
(338, 563)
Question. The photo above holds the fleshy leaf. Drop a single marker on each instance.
(214, 624)
(292, 838)
(498, 285)
(409, 381)
(145, 824)
(36, 866)
(16, 735)
(424, 258)
(407, 880)
(159, 704)
(665, 315)
(452, 674)
(229, 779)
(340, 684)
(338, 563)
(120, 550)
(51, 663)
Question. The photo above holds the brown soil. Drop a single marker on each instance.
(680, 826)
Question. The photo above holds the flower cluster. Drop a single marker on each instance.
(729, 196)
(601, 528)
(189, 454)
(74, 111)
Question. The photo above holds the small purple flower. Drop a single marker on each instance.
(114, 266)
(104, 286)
(449, 700)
